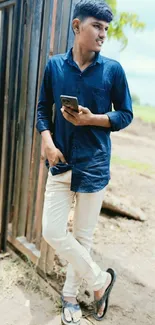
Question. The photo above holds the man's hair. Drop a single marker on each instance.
(93, 8)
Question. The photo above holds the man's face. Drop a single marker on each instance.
(92, 34)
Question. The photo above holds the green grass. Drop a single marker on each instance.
(132, 164)
(146, 113)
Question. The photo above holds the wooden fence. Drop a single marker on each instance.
(43, 28)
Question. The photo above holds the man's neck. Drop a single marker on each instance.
(82, 57)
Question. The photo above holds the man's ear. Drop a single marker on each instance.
(76, 25)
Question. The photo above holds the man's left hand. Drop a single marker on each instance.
(81, 118)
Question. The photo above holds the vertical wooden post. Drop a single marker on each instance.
(44, 55)
(18, 221)
(4, 175)
(26, 191)
(42, 173)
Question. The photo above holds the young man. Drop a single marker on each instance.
(78, 149)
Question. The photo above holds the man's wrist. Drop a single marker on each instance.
(48, 141)
(95, 119)
(100, 120)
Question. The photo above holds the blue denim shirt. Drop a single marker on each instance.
(87, 149)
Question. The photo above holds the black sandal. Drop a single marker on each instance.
(75, 312)
(105, 297)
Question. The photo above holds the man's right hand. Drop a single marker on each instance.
(54, 155)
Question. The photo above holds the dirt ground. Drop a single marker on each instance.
(125, 244)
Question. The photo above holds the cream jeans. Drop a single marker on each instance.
(75, 248)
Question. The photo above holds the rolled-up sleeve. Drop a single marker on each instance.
(122, 115)
(46, 101)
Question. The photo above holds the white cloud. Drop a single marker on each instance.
(143, 87)
(139, 65)
(139, 56)
(143, 42)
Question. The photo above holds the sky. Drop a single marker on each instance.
(138, 58)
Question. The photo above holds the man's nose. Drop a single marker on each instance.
(103, 34)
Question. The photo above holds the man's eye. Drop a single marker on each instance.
(97, 26)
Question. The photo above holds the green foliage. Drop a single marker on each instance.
(122, 20)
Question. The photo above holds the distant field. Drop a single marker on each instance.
(146, 113)
(133, 164)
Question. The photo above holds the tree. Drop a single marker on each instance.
(122, 20)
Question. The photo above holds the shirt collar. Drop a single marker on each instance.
(69, 57)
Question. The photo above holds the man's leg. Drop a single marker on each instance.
(57, 204)
(86, 215)
(56, 208)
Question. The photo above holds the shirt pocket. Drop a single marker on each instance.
(100, 100)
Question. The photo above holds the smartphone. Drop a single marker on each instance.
(70, 101)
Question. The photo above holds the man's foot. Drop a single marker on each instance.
(71, 312)
(99, 294)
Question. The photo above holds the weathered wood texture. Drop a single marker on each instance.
(43, 30)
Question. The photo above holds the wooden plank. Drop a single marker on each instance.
(44, 55)
(2, 72)
(58, 30)
(14, 89)
(28, 249)
(3, 49)
(8, 22)
(43, 256)
(42, 176)
(38, 258)
(50, 259)
(18, 43)
(65, 25)
(7, 4)
(18, 223)
(26, 183)
(70, 39)
(53, 27)
(32, 190)
(26, 147)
